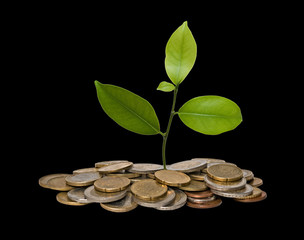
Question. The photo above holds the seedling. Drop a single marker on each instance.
(210, 115)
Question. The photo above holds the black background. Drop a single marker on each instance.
(64, 127)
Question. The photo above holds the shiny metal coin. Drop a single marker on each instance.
(201, 200)
(102, 197)
(262, 197)
(195, 186)
(111, 184)
(199, 176)
(126, 204)
(247, 190)
(148, 189)
(225, 186)
(172, 178)
(115, 167)
(211, 204)
(256, 182)
(145, 168)
(188, 165)
(106, 163)
(178, 202)
(224, 172)
(247, 174)
(85, 170)
(82, 179)
(162, 201)
(59, 184)
(202, 194)
(63, 198)
(77, 195)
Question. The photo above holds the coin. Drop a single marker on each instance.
(256, 199)
(210, 160)
(115, 167)
(202, 194)
(255, 193)
(111, 184)
(59, 184)
(247, 174)
(102, 197)
(82, 179)
(77, 195)
(127, 175)
(256, 182)
(211, 204)
(188, 165)
(145, 168)
(199, 176)
(179, 201)
(247, 190)
(201, 200)
(172, 178)
(63, 198)
(148, 189)
(85, 170)
(166, 199)
(225, 186)
(126, 204)
(43, 180)
(195, 186)
(106, 163)
(224, 172)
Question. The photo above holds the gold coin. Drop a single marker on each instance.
(248, 174)
(195, 186)
(127, 175)
(106, 163)
(59, 184)
(124, 205)
(172, 178)
(115, 167)
(256, 182)
(148, 189)
(225, 172)
(197, 176)
(111, 184)
(255, 193)
(63, 198)
(43, 180)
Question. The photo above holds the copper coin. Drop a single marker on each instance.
(256, 199)
(202, 194)
(211, 204)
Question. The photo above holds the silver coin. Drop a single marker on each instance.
(247, 190)
(82, 179)
(85, 170)
(201, 200)
(225, 186)
(116, 167)
(77, 195)
(178, 202)
(145, 168)
(188, 165)
(162, 201)
(103, 197)
(210, 160)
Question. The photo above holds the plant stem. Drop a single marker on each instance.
(165, 136)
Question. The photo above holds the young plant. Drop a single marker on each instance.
(210, 115)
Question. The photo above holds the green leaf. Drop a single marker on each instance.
(165, 87)
(127, 109)
(180, 54)
(210, 115)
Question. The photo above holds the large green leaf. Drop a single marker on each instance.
(180, 54)
(210, 115)
(128, 109)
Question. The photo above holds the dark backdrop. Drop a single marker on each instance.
(66, 129)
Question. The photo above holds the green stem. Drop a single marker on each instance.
(165, 135)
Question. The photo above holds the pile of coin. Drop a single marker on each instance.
(120, 185)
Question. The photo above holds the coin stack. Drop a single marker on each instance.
(120, 185)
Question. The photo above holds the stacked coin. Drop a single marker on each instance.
(120, 185)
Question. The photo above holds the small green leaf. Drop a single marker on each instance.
(210, 115)
(165, 87)
(127, 109)
(181, 52)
